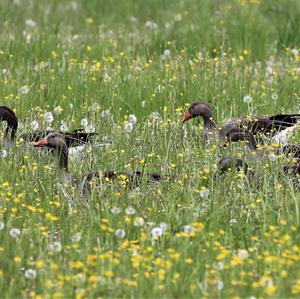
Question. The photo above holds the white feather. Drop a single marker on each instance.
(284, 136)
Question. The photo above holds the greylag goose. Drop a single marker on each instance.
(73, 138)
(57, 142)
(253, 124)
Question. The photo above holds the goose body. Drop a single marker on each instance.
(253, 124)
(57, 142)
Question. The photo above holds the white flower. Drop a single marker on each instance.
(274, 96)
(90, 128)
(178, 18)
(57, 110)
(30, 274)
(247, 99)
(128, 127)
(155, 116)
(295, 52)
(138, 221)
(2, 225)
(24, 90)
(55, 246)
(15, 232)
(156, 232)
(105, 113)
(188, 229)
(115, 210)
(219, 285)
(219, 265)
(151, 25)
(34, 125)
(30, 23)
(48, 117)
(84, 122)
(163, 226)
(63, 126)
(130, 211)
(143, 104)
(150, 223)
(204, 192)
(214, 167)
(120, 233)
(3, 153)
(133, 19)
(167, 53)
(167, 25)
(232, 221)
(272, 157)
(242, 254)
(132, 119)
(76, 238)
(95, 106)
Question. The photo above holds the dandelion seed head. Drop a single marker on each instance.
(128, 127)
(133, 19)
(274, 96)
(34, 125)
(30, 274)
(156, 232)
(84, 122)
(30, 23)
(242, 254)
(272, 157)
(105, 113)
(24, 90)
(188, 228)
(76, 238)
(247, 99)
(48, 117)
(15, 232)
(130, 211)
(115, 210)
(55, 246)
(3, 153)
(163, 226)
(120, 233)
(63, 126)
(204, 192)
(132, 119)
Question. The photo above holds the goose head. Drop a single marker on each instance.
(56, 141)
(198, 109)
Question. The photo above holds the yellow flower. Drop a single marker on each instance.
(40, 264)
(270, 290)
(18, 260)
(89, 20)
(108, 274)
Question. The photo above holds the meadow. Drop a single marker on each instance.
(99, 64)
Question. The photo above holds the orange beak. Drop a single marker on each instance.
(187, 116)
(41, 143)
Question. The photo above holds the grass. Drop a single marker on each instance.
(223, 236)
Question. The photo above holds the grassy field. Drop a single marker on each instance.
(202, 235)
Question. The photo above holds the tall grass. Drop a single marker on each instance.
(233, 235)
